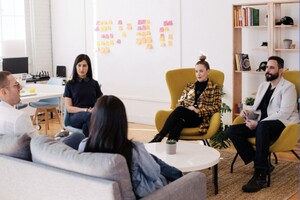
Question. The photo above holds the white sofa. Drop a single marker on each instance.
(60, 172)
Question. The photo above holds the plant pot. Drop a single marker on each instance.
(287, 44)
(171, 148)
(247, 107)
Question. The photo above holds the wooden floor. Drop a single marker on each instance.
(144, 133)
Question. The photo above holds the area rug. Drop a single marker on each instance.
(284, 180)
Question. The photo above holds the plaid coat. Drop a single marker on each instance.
(208, 103)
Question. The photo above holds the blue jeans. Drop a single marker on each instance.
(265, 133)
(73, 140)
(169, 172)
(81, 120)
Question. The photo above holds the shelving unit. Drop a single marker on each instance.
(273, 35)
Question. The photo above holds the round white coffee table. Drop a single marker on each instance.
(189, 157)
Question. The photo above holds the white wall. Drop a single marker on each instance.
(206, 27)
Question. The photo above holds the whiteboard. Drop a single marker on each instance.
(124, 65)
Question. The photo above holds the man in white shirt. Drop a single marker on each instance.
(275, 102)
(12, 121)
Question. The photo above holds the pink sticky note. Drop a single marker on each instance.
(118, 41)
(120, 22)
(161, 29)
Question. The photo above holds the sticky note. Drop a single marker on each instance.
(170, 37)
(124, 34)
(149, 46)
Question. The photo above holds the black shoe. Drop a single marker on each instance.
(157, 138)
(256, 183)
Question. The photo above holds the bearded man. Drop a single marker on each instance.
(276, 106)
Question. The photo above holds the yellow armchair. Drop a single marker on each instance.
(289, 136)
(176, 80)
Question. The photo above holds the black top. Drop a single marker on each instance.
(83, 92)
(199, 88)
(263, 106)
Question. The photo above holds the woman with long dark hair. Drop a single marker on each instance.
(81, 93)
(109, 134)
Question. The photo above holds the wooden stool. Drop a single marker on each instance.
(46, 109)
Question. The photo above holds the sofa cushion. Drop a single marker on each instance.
(48, 151)
(17, 146)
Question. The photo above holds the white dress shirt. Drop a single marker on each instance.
(13, 121)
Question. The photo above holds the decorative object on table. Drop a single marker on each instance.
(287, 43)
(293, 46)
(285, 21)
(249, 101)
(262, 66)
(264, 44)
(171, 146)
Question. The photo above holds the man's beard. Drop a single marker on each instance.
(271, 77)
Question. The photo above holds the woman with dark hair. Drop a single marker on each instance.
(81, 93)
(109, 134)
(198, 102)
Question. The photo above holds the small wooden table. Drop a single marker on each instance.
(189, 157)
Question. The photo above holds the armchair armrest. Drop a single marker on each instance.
(191, 186)
(161, 117)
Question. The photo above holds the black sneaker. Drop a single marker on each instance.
(256, 183)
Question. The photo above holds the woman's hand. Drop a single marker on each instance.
(192, 108)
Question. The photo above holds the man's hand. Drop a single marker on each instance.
(251, 124)
(244, 113)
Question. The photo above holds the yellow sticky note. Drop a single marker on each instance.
(109, 21)
(129, 27)
(149, 40)
(138, 41)
(124, 34)
(170, 37)
(111, 42)
(143, 40)
(147, 21)
(149, 46)
(170, 43)
(167, 29)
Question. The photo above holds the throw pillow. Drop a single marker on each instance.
(47, 151)
(17, 146)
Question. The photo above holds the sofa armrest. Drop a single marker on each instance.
(191, 186)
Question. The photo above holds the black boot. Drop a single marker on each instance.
(157, 138)
(257, 182)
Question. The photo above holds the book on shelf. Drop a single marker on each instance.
(246, 16)
(242, 62)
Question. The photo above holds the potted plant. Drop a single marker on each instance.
(249, 101)
(220, 139)
(171, 146)
(287, 43)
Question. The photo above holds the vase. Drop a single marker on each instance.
(287, 44)
(171, 148)
(247, 107)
